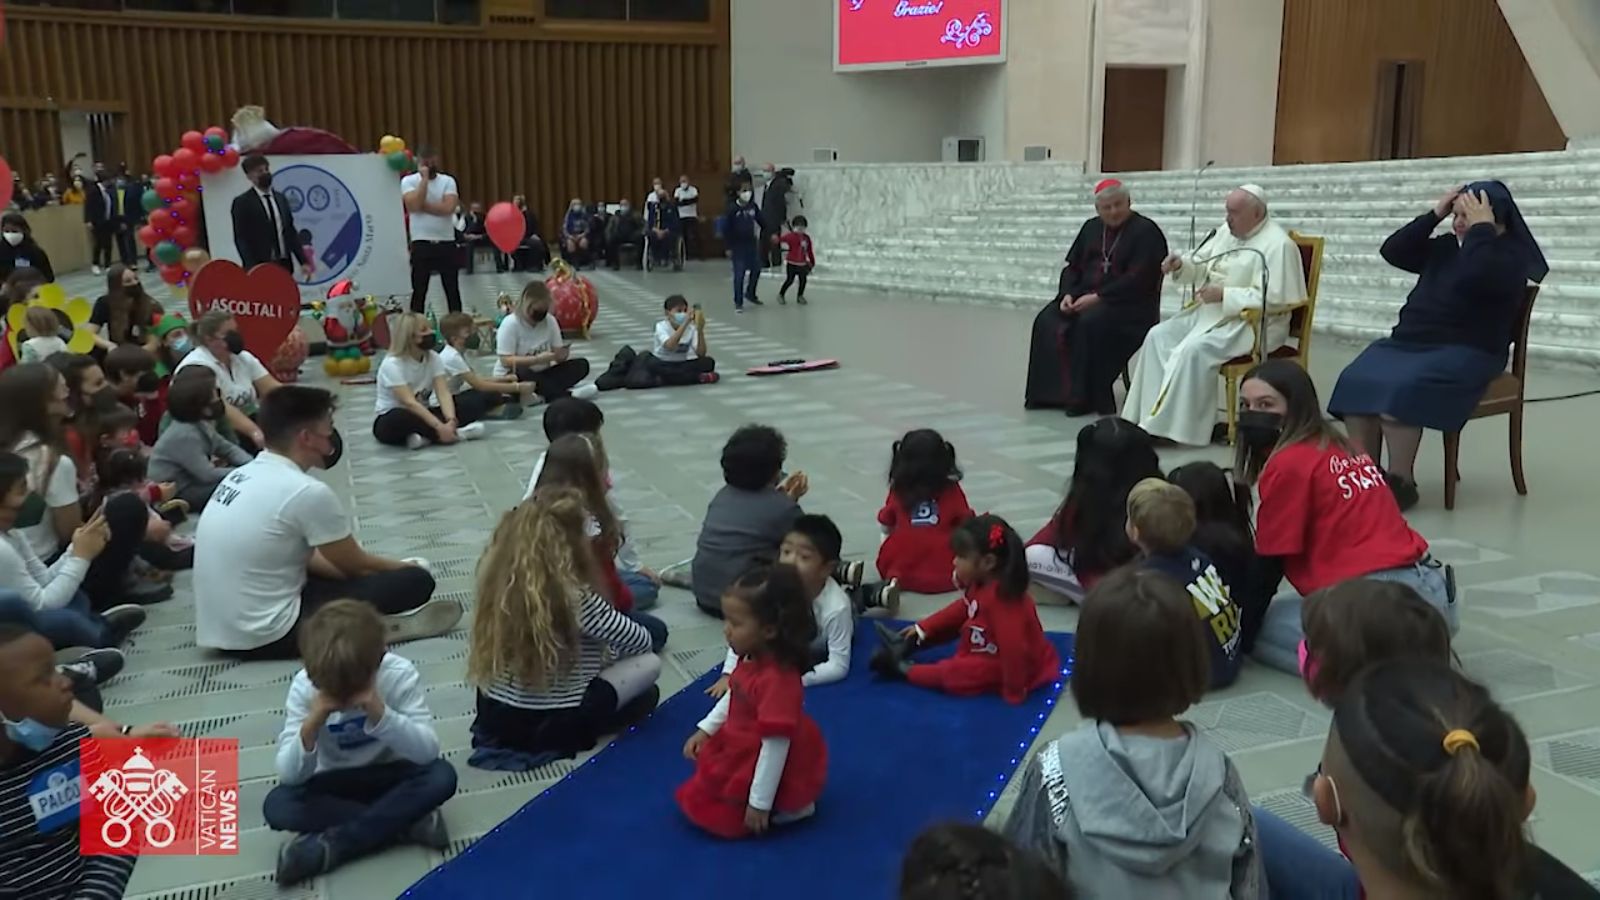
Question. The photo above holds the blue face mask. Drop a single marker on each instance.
(32, 735)
(678, 318)
(182, 346)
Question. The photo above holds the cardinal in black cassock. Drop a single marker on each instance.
(1109, 296)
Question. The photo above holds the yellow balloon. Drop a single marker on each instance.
(17, 317)
(82, 341)
(349, 367)
(389, 144)
(78, 310)
(51, 295)
(330, 365)
(365, 365)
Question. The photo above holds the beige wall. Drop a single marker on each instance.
(1048, 77)
(1561, 41)
(1241, 86)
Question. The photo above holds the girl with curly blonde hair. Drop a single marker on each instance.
(556, 666)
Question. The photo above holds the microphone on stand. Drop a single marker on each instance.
(1266, 279)
(1194, 200)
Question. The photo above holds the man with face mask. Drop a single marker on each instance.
(430, 197)
(741, 229)
(624, 235)
(275, 544)
(738, 179)
(40, 789)
(263, 226)
(688, 199)
(575, 235)
(100, 218)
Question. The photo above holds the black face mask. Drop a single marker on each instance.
(538, 315)
(1260, 430)
(234, 341)
(148, 382)
(429, 343)
(335, 450)
(133, 290)
(264, 181)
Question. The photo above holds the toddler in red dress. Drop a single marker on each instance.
(759, 759)
(1002, 646)
(924, 506)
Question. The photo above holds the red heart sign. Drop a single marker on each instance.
(5, 184)
(265, 301)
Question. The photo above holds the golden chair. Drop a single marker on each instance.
(1301, 315)
(1503, 397)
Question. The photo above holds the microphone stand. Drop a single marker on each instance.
(1260, 353)
(1194, 200)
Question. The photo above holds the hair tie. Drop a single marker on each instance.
(997, 536)
(1457, 738)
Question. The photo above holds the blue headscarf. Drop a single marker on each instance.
(1507, 214)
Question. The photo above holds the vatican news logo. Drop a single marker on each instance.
(159, 796)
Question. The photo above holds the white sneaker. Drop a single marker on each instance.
(470, 432)
(95, 269)
(415, 442)
(431, 619)
(419, 562)
(585, 392)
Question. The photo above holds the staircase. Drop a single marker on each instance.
(1007, 249)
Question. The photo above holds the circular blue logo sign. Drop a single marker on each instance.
(327, 216)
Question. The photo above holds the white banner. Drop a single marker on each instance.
(347, 210)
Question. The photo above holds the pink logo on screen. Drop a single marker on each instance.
(910, 31)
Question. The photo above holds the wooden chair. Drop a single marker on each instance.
(1301, 316)
(1503, 397)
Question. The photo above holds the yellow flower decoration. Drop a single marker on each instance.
(76, 311)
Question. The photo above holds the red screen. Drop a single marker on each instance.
(876, 32)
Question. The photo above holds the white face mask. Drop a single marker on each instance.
(13, 238)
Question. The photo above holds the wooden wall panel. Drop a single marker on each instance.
(559, 111)
(1479, 96)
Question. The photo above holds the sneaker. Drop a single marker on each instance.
(95, 269)
(98, 666)
(121, 621)
(431, 619)
(754, 301)
(884, 596)
(69, 655)
(782, 300)
(430, 832)
(415, 442)
(739, 309)
(800, 300)
(891, 659)
(710, 378)
(470, 432)
(849, 573)
(586, 392)
(303, 856)
(419, 562)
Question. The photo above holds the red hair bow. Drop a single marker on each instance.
(997, 536)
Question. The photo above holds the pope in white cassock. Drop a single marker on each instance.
(1175, 381)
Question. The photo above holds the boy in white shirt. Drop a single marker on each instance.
(478, 397)
(358, 735)
(678, 353)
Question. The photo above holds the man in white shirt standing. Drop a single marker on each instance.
(688, 197)
(430, 197)
(275, 544)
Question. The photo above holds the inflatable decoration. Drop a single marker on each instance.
(252, 133)
(346, 319)
(285, 364)
(73, 313)
(575, 302)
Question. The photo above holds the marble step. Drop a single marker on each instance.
(1576, 254)
(1579, 239)
(1564, 203)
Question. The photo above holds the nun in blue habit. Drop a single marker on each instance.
(1455, 329)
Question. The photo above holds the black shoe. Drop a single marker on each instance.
(121, 621)
(753, 299)
(848, 573)
(1219, 433)
(148, 594)
(782, 300)
(96, 667)
(1076, 410)
(884, 596)
(302, 857)
(430, 832)
(1405, 491)
(800, 300)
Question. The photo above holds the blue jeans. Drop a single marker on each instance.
(361, 810)
(645, 592)
(656, 627)
(1278, 644)
(746, 272)
(1298, 866)
(73, 625)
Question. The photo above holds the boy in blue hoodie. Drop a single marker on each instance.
(742, 231)
(1161, 521)
(1135, 803)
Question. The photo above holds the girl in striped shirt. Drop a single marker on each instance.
(556, 666)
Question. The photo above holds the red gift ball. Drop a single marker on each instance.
(193, 141)
(211, 163)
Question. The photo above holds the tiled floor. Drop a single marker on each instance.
(1527, 566)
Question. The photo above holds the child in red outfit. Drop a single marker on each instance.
(759, 759)
(1002, 646)
(800, 255)
(924, 506)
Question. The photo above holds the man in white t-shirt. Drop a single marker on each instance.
(529, 345)
(430, 197)
(241, 377)
(688, 197)
(275, 543)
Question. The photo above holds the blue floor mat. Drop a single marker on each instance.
(899, 758)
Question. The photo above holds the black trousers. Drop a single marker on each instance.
(428, 257)
(558, 380)
(691, 238)
(1075, 359)
(127, 246)
(102, 235)
(395, 591)
(795, 272)
(395, 425)
(126, 516)
(771, 253)
(473, 404)
(625, 251)
(531, 256)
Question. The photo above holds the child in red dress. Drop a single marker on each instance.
(924, 506)
(1002, 645)
(759, 759)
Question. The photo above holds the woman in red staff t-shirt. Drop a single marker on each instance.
(1325, 514)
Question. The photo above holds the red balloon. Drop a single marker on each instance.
(172, 274)
(163, 166)
(6, 187)
(230, 156)
(183, 209)
(506, 226)
(183, 236)
(166, 188)
(193, 141)
(148, 236)
(162, 222)
(187, 160)
(216, 130)
(211, 163)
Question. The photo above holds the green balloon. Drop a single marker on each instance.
(151, 201)
(398, 161)
(168, 252)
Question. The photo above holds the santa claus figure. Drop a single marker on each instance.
(252, 133)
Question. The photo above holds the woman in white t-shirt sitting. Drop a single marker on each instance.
(529, 344)
(415, 406)
(241, 377)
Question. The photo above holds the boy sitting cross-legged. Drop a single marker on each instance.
(478, 396)
(358, 759)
